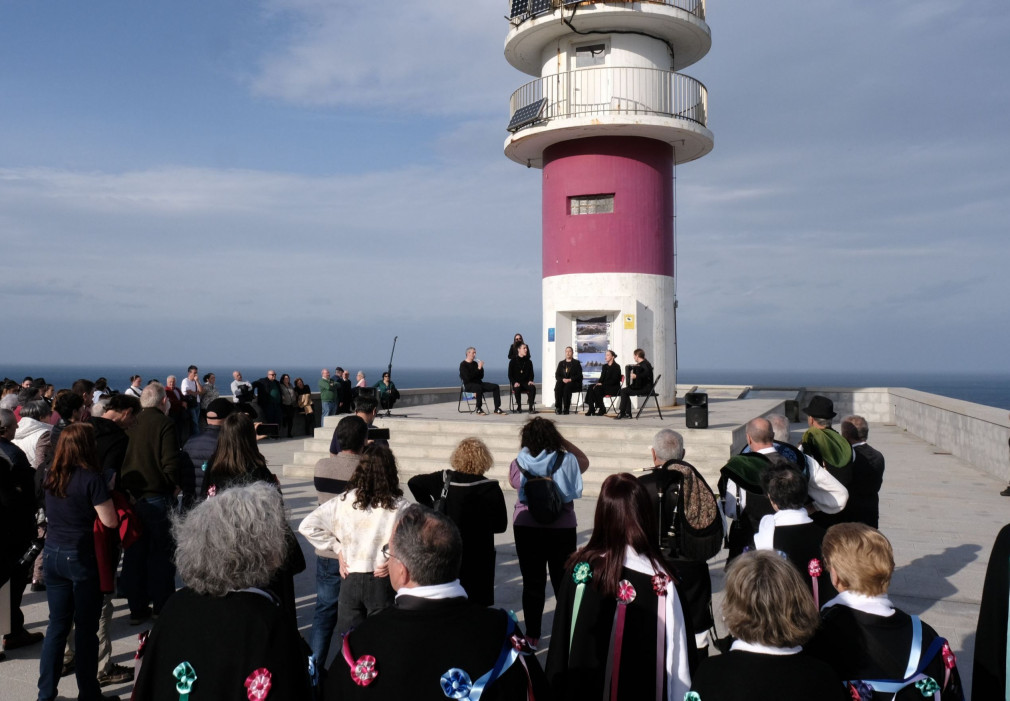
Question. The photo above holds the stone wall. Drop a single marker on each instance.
(972, 432)
(872, 403)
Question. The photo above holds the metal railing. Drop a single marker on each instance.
(620, 90)
(519, 10)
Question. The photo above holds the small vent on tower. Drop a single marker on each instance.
(591, 204)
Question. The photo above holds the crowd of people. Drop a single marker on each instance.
(405, 591)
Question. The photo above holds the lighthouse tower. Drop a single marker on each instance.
(607, 119)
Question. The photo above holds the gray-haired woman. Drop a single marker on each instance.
(228, 549)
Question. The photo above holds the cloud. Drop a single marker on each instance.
(434, 57)
(413, 242)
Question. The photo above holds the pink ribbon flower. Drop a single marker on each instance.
(659, 583)
(626, 592)
(364, 672)
(257, 684)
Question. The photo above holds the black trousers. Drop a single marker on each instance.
(627, 393)
(563, 395)
(541, 550)
(478, 389)
(531, 390)
(595, 395)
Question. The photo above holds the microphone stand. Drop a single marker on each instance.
(389, 369)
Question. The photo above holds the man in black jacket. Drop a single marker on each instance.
(639, 382)
(867, 473)
(671, 482)
(433, 643)
(151, 476)
(471, 373)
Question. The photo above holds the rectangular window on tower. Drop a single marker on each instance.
(591, 204)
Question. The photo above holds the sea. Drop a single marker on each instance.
(989, 389)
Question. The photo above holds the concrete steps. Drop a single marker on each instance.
(423, 445)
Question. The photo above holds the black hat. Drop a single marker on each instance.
(221, 408)
(820, 408)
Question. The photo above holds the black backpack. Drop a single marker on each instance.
(543, 498)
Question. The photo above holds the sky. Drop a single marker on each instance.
(299, 181)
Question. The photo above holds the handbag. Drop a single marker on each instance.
(440, 503)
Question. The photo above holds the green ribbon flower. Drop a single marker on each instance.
(692, 696)
(927, 687)
(186, 676)
(582, 573)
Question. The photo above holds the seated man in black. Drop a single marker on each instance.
(609, 384)
(471, 373)
(433, 643)
(521, 377)
(569, 379)
(639, 382)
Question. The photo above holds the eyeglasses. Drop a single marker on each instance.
(386, 555)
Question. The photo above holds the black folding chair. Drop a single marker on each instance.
(651, 393)
(468, 397)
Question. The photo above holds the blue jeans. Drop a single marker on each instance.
(194, 416)
(324, 620)
(148, 572)
(329, 409)
(75, 597)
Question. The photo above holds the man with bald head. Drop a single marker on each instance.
(673, 483)
(740, 482)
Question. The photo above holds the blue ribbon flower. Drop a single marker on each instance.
(456, 684)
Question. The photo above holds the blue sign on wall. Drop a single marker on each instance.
(550, 335)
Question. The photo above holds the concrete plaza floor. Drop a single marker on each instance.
(940, 513)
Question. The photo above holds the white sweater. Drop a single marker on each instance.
(357, 535)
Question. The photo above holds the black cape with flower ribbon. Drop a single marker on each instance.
(577, 660)
(418, 642)
(864, 646)
(232, 648)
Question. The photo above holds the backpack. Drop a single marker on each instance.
(681, 537)
(542, 496)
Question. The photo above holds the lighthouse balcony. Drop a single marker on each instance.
(609, 101)
(538, 25)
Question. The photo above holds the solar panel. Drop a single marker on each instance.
(527, 114)
(539, 7)
(520, 8)
(569, 3)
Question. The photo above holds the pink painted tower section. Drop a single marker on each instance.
(637, 237)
